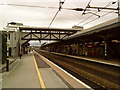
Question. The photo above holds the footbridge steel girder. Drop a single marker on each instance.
(45, 33)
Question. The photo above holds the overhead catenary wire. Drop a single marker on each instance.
(35, 6)
(84, 13)
(53, 18)
(86, 7)
(98, 18)
(76, 9)
(109, 4)
(92, 15)
(60, 6)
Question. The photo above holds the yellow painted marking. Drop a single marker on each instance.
(39, 74)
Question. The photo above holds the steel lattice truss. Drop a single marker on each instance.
(45, 33)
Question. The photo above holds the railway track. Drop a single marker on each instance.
(94, 74)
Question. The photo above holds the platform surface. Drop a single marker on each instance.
(25, 75)
(114, 62)
(50, 78)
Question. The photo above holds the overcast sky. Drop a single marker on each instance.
(42, 17)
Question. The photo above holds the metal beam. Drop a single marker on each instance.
(52, 33)
(26, 35)
(46, 29)
(35, 33)
(55, 36)
(40, 39)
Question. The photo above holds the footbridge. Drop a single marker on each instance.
(19, 35)
(37, 33)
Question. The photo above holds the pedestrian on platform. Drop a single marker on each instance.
(20, 54)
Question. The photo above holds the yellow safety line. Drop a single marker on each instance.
(39, 74)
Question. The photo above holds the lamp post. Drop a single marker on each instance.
(7, 61)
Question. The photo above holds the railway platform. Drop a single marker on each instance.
(23, 75)
(35, 71)
(114, 62)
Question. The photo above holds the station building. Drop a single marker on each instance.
(13, 39)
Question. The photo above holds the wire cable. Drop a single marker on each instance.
(56, 12)
(98, 18)
(53, 18)
(22, 5)
(86, 7)
(35, 6)
(90, 16)
(109, 4)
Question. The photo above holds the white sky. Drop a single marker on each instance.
(42, 17)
